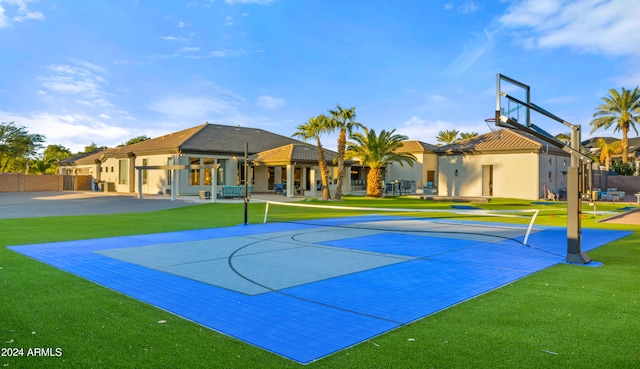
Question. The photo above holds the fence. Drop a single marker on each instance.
(627, 184)
(20, 182)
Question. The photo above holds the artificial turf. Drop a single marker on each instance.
(564, 317)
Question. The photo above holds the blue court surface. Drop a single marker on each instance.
(305, 291)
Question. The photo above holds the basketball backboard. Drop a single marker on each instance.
(513, 99)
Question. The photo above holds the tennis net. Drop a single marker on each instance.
(454, 223)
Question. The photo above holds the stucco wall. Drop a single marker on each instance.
(425, 162)
(514, 175)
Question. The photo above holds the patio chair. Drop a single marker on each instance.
(279, 188)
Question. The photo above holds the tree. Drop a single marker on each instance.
(55, 153)
(41, 166)
(623, 111)
(607, 150)
(92, 147)
(447, 137)
(135, 140)
(312, 130)
(343, 120)
(465, 135)
(564, 137)
(16, 144)
(374, 151)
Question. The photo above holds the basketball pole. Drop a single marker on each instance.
(574, 208)
(246, 182)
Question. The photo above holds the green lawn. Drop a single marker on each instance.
(563, 317)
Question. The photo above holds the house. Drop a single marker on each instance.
(633, 150)
(295, 165)
(186, 161)
(423, 173)
(503, 163)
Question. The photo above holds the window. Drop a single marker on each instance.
(194, 175)
(207, 172)
(145, 172)
(122, 171)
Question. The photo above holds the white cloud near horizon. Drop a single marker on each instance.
(592, 26)
(74, 131)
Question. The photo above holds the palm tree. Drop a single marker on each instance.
(447, 137)
(311, 130)
(40, 166)
(376, 150)
(564, 137)
(465, 135)
(621, 109)
(607, 150)
(344, 120)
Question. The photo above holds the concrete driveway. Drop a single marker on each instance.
(45, 204)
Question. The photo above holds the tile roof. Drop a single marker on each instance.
(502, 140)
(415, 146)
(205, 138)
(301, 152)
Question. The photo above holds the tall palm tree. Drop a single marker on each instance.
(465, 135)
(447, 137)
(621, 109)
(312, 130)
(374, 151)
(343, 120)
(607, 150)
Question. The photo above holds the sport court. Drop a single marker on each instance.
(305, 291)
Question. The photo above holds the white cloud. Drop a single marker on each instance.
(473, 51)
(70, 79)
(21, 14)
(269, 102)
(194, 108)
(469, 7)
(260, 2)
(594, 26)
(4, 21)
(417, 128)
(74, 131)
(188, 49)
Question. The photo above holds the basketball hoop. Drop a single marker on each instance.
(492, 127)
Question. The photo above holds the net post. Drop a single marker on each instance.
(533, 219)
(266, 211)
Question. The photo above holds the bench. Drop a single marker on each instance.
(234, 191)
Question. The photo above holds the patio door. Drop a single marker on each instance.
(487, 180)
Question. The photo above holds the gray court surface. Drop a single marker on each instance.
(46, 204)
(259, 263)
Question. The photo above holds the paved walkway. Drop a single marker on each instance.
(630, 217)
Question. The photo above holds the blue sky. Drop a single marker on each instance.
(104, 71)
